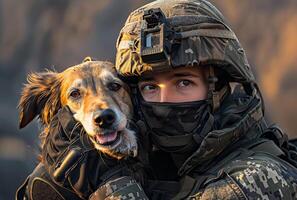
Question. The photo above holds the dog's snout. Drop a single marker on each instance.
(105, 119)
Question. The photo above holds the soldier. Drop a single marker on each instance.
(195, 91)
(198, 107)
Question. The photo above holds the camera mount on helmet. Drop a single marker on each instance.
(153, 44)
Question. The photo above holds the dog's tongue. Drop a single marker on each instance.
(102, 139)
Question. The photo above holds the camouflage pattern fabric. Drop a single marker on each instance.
(217, 141)
(225, 166)
(119, 189)
(243, 173)
(173, 126)
(200, 36)
(204, 38)
(260, 176)
(179, 118)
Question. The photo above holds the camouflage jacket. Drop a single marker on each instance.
(255, 175)
(244, 161)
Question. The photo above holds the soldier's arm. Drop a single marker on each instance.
(253, 179)
(120, 188)
(268, 178)
(224, 188)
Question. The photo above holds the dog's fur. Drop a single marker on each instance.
(87, 89)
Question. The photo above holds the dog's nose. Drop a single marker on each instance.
(105, 119)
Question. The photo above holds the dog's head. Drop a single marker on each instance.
(98, 99)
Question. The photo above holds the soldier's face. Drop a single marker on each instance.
(179, 85)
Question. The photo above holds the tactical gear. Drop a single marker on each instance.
(40, 186)
(164, 35)
(120, 188)
(235, 159)
(242, 159)
(66, 151)
(246, 173)
(176, 127)
(239, 114)
(252, 169)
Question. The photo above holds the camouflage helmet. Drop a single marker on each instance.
(164, 35)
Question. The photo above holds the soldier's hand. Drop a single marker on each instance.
(70, 158)
(64, 145)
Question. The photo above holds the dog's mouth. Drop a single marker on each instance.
(107, 139)
(110, 139)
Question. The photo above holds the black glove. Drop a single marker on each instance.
(71, 159)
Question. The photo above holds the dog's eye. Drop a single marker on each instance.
(114, 86)
(75, 94)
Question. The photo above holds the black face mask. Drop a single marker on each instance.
(177, 127)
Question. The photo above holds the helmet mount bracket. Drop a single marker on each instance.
(153, 37)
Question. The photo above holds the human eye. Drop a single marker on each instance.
(147, 87)
(184, 83)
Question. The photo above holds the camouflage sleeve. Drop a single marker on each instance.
(221, 189)
(253, 178)
(266, 178)
(120, 188)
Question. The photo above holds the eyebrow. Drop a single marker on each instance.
(175, 75)
(182, 74)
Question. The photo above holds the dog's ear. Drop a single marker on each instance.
(40, 97)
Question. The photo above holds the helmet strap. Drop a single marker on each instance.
(215, 97)
(134, 97)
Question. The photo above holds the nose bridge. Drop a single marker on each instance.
(164, 93)
(100, 103)
(95, 102)
(91, 85)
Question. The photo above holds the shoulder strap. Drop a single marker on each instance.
(268, 146)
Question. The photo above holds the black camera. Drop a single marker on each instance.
(153, 36)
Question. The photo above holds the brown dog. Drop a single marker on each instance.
(98, 99)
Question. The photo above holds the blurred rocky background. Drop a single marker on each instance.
(54, 34)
